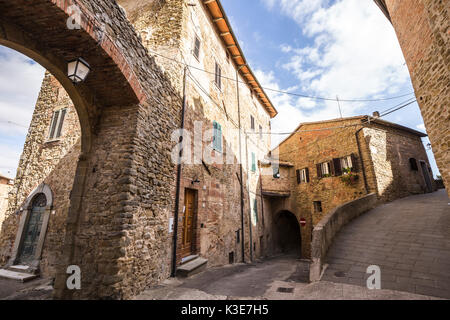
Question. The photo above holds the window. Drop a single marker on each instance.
(253, 162)
(276, 171)
(252, 123)
(346, 162)
(196, 51)
(57, 124)
(218, 78)
(255, 210)
(324, 169)
(217, 138)
(303, 176)
(260, 133)
(317, 206)
(238, 236)
(413, 164)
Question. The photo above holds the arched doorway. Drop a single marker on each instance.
(32, 229)
(287, 236)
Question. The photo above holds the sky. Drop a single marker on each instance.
(320, 48)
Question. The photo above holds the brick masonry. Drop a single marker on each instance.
(111, 172)
(422, 30)
(381, 152)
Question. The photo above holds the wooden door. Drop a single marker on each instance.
(189, 220)
(33, 230)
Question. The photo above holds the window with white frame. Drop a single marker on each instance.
(57, 124)
(346, 162)
(324, 169)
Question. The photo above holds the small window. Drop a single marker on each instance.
(318, 206)
(238, 236)
(196, 51)
(413, 164)
(253, 162)
(303, 176)
(217, 138)
(57, 124)
(218, 77)
(346, 163)
(324, 170)
(252, 123)
(260, 133)
(276, 171)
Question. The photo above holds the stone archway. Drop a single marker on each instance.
(287, 234)
(119, 105)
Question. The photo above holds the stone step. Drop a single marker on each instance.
(188, 259)
(18, 276)
(20, 268)
(193, 267)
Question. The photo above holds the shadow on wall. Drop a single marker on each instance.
(390, 157)
(286, 234)
(60, 180)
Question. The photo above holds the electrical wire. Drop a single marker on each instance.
(280, 91)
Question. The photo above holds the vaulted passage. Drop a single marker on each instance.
(287, 239)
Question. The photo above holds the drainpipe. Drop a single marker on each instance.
(240, 166)
(178, 185)
(249, 207)
(362, 162)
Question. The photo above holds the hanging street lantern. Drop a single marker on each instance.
(78, 70)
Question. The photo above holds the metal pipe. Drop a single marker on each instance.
(240, 167)
(362, 162)
(178, 184)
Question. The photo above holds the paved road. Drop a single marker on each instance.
(281, 278)
(409, 239)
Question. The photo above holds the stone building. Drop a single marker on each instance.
(325, 164)
(422, 30)
(5, 187)
(198, 205)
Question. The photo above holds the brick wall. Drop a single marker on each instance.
(422, 30)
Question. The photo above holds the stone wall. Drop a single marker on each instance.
(5, 188)
(168, 30)
(422, 30)
(381, 153)
(45, 161)
(390, 151)
(325, 231)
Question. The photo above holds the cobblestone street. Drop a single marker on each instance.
(409, 239)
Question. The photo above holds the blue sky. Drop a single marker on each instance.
(344, 48)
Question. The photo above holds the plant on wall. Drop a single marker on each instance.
(350, 178)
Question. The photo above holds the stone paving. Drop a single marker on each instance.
(409, 239)
(280, 278)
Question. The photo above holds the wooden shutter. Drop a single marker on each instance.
(355, 163)
(61, 121)
(253, 162)
(307, 174)
(219, 137)
(336, 163)
(197, 48)
(299, 179)
(53, 125)
(319, 170)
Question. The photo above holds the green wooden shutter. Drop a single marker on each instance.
(253, 162)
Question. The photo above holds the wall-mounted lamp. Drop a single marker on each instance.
(78, 70)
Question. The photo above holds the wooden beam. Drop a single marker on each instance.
(218, 19)
(223, 34)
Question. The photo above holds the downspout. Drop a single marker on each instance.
(362, 162)
(249, 207)
(178, 184)
(240, 166)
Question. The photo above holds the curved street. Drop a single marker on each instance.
(409, 239)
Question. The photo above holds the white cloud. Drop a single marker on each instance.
(353, 52)
(421, 127)
(20, 81)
